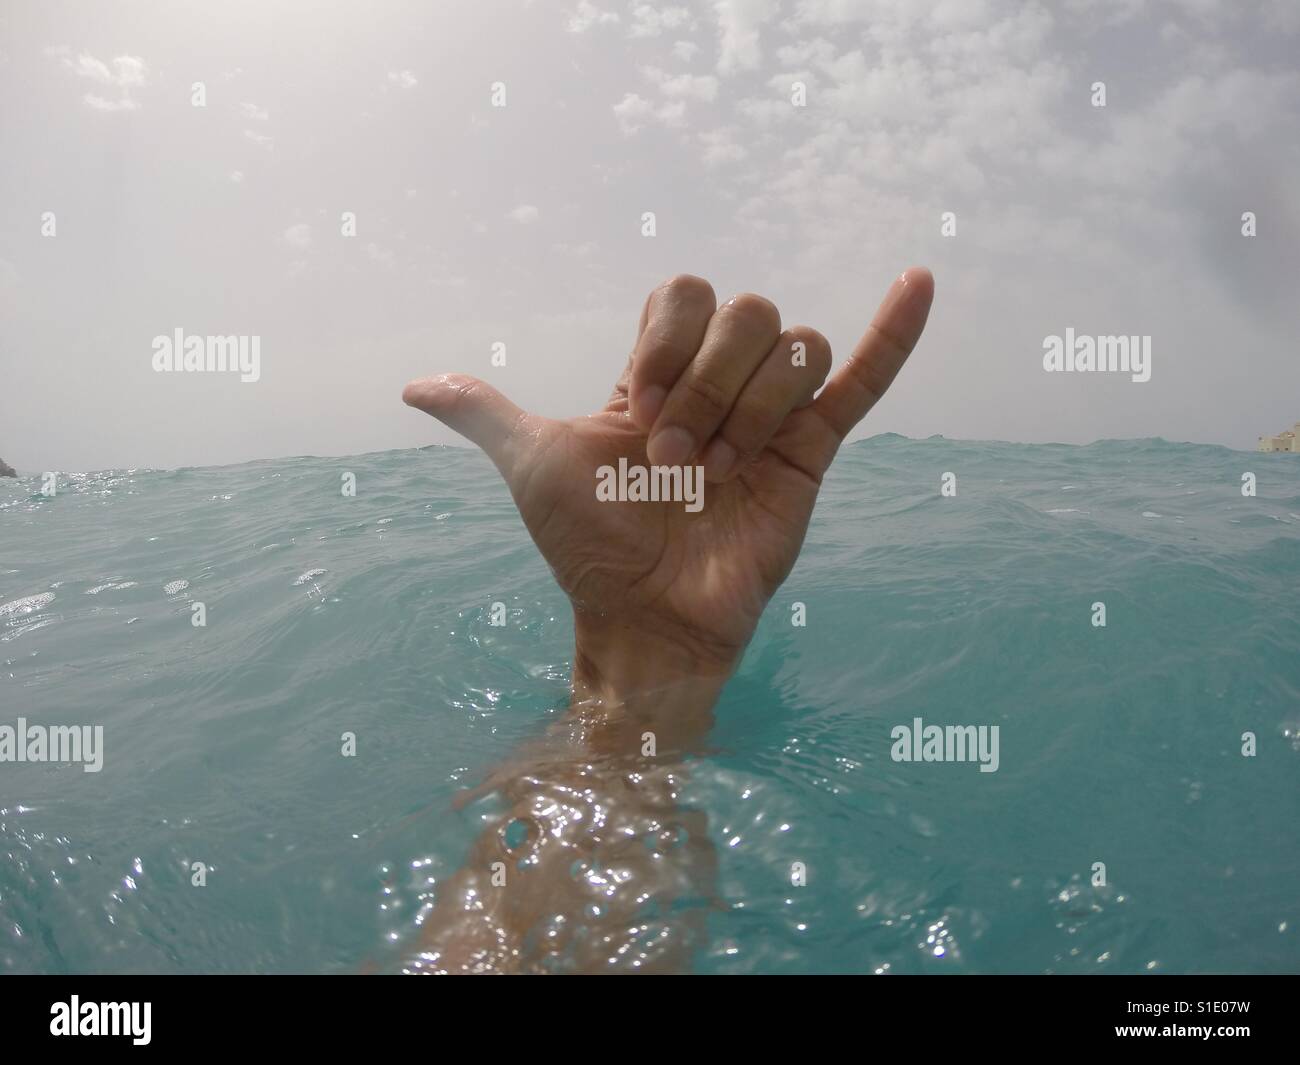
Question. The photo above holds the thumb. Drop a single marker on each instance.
(477, 411)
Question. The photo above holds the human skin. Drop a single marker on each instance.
(664, 600)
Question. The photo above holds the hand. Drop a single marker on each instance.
(661, 594)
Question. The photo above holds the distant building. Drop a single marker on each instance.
(1287, 440)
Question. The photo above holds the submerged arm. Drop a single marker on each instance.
(587, 868)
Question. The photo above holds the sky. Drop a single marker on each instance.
(127, 212)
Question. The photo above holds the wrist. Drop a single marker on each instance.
(630, 678)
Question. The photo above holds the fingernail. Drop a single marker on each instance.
(719, 457)
(670, 447)
(646, 405)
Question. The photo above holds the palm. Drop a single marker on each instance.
(705, 574)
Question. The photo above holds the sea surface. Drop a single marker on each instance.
(326, 614)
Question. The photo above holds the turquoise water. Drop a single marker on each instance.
(328, 614)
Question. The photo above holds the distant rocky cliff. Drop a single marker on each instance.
(7, 471)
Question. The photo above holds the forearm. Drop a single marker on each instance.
(599, 795)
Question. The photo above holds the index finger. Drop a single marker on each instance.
(880, 353)
(672, 325)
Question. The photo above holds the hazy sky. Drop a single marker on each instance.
(522, 224)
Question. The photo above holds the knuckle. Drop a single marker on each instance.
(689, 289)
(869, 381)
(748, 427)
(704, 396)
(467, 393)
(817, 348)
(659, 351)
(756, 311)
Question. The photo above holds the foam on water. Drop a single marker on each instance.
(371, 615)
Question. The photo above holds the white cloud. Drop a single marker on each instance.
(260, 139)
(649, 21)
(524, 214)
(124, 72)
(634, 111)
(916, 105)
(683, 86)
(128, 71)
(403, 79)
(672, 113)
(87, 66)
(739, 47)
(766, 112)
(237, 177)
(98, 103)
(257, 114)
(720, 147)
(298, 236)
(685, 50)
(586, 15)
